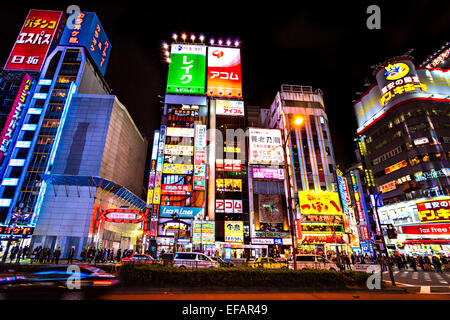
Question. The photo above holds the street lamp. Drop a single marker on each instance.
(297, 122)
(391, 275)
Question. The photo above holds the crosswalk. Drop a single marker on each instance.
(424, 282)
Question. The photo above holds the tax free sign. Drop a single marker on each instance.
(187, 69)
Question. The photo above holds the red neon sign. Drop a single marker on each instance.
(105, 215)
(34, 40)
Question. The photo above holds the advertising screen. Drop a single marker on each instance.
(265, 146)
(15, 114)
(88, 32)
(224, 72)
(34, 40)
(270, 216)
(187, 69)
(234, 231)
(230, 107)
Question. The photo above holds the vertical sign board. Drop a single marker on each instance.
(157, 185)
(224, 72)
(34, 40)
(88, 32)
(200, 157)
(15, 114)
(187, 69)
(151, 178)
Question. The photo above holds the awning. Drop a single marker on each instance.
(97, 182)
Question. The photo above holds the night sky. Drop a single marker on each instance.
(318, 44)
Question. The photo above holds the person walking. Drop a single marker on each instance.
(19, 255)
(13, 254)
(437, 264)
(57, 254)
(70, 255)
(119, 253)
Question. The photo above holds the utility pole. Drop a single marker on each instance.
(388, 261)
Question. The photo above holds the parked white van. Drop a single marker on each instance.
(314, 262)
(193, 260)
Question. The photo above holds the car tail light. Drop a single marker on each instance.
(104, 282)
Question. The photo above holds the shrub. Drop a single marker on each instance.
(161, 276)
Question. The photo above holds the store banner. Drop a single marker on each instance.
(187, 69)
(428, 229)
(179, 150)
(180, 132)
(224, 72)
(34, 40)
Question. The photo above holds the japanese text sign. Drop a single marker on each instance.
(34, 40)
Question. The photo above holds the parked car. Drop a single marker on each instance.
(141, 258)
(193, 260)
(57, 283)
(222, 262)
(268, 263)
(312, 261)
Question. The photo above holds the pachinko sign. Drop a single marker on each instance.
(319, 202)
(434, 211)
(224, 72)
(15, 114)
(34, 40)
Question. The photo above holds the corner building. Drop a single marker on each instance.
(403, 123)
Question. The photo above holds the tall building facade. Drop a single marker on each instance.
(403, 126)
(197, 193)
(71, 138)
(320, 224)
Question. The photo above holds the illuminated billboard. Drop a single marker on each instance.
(434, 210)
(34, 40)
(203, 232)
(229, 107)
(398, 81)
(322, 202)
(187, 69)
(265, 146)
(224, 72)
(268, 173)
(88, 32)
(15, 114)
(234, 231)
